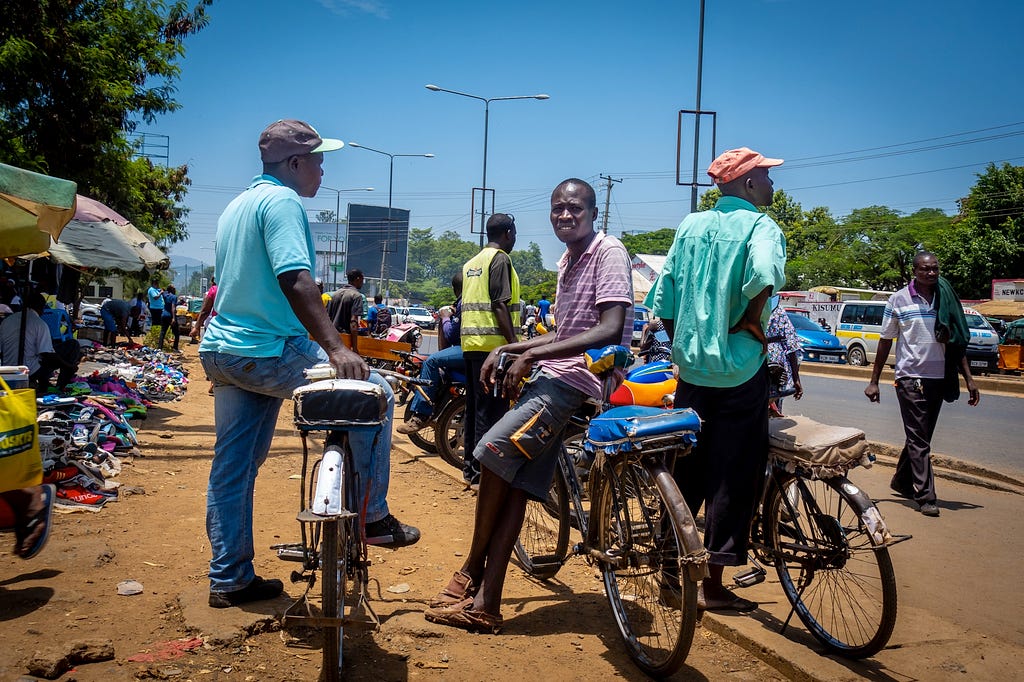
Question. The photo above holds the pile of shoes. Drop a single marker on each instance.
(152, 374)
(83, 441)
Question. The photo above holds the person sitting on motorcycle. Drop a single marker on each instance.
(655, 346)
(447, 358)
(530, 320)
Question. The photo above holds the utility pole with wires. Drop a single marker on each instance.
(607, 199)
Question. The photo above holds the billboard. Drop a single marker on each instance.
(372, 238)
(329, 243)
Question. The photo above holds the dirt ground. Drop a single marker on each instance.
(557, 630)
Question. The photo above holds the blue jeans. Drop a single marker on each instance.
(449, 359)
(248, 393)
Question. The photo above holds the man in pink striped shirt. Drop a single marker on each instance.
(518, 455)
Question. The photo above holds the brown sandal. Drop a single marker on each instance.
(458, 588)
(461, 616)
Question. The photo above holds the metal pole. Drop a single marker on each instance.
(483, 193)
(387, 230)
(696, 118)
(337, 237)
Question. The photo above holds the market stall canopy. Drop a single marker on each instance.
(101, 238)
(33, 208)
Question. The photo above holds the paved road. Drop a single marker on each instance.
(990, 434)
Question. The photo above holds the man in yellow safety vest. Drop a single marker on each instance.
(490, 301)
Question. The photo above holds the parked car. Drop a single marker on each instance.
(641, 316)
(422, 318)
(983, 348)
(816, 344)
(398, 315)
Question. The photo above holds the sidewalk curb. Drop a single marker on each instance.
(953, 469)
(1005, 384)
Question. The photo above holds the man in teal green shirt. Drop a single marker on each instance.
(722, 267)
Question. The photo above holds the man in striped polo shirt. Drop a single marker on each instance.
(911, 315)
(518, 455)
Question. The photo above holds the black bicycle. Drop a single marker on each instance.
(331, 511)
(826, 539)
(614, 485)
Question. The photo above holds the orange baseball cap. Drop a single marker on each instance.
(738, 162)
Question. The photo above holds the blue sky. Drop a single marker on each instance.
(929, 90)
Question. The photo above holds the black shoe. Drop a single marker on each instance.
(929, 509)
(388, 532)
(258, 590)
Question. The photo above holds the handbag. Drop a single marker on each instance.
(21, 465)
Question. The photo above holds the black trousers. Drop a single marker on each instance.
(920, 401)
(483, 411)
(725, 472)
(65, 359)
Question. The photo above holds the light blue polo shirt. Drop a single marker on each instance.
(262, 233)
(719, 261)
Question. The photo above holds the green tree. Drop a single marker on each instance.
(986, 240)
(656, 243)
(76, 79)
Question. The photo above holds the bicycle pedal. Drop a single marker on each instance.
(300, 577)
(754, 575)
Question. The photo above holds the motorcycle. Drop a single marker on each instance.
(452, 390)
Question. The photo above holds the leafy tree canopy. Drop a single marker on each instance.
(76, 79)
(986, 241)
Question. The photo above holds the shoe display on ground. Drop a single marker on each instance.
(77, 496)
(258, 590)
(417, 423)
(389, 532)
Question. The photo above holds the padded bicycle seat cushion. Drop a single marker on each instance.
(339, 404)
(625, 428)
(821, 450)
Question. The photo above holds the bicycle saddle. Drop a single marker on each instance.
(336, 404)
(622, 429)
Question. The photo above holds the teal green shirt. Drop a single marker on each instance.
(719, 261)
(262, 233)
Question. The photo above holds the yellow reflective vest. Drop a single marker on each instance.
(480, 331)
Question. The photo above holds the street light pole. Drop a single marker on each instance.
(487, 111)
(391, 182)
(337, 227)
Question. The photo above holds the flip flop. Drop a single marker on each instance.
(44, 516)
(461, 616)
(733, 603)
(459, 587)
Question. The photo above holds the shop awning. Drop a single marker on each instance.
(100, 238)
(33, 208)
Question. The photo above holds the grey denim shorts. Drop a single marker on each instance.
(522, 447)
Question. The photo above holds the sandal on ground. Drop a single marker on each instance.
(42, 517)
(730, 603)
(461, 616)
(458, 588)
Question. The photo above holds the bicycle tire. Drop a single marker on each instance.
(637, 523)
(333, 570)
(449, 431)
(845, 591)
(424, 439)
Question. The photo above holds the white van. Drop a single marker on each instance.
(859, 327)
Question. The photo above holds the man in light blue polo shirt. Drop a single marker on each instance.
(256, 347)
(719, 273)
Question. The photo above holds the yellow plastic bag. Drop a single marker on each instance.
(21, 465)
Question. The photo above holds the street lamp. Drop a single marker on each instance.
(391, 179)
(487, 108)
(337, 226)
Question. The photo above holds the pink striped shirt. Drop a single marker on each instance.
(601, 275)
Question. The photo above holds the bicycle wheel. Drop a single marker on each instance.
(543, 541)
(840, 583)
(449, 429)
(333, 569)
(641, 538)
(424, 438)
